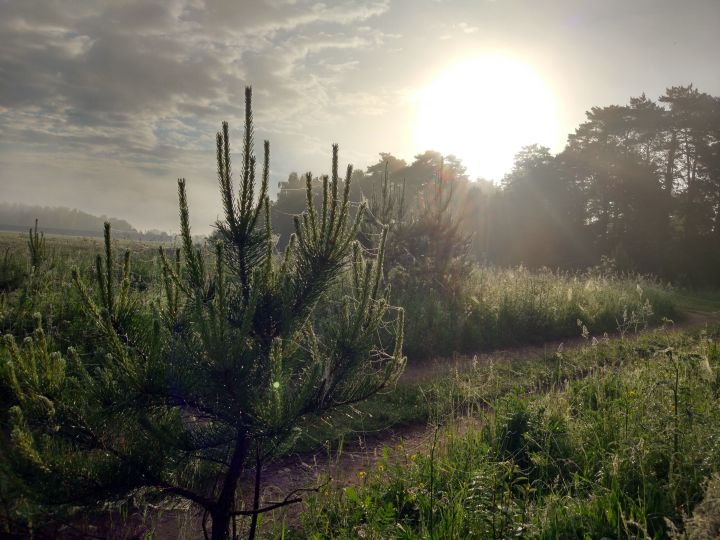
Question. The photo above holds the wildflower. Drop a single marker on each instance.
(361, 475)
(276, 385)
(413, 457)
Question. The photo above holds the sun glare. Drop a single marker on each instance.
(483, 111)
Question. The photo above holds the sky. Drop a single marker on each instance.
(104, 104)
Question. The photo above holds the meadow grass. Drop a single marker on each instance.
(623, 452)
(550, 440)
(498, 307)
(48, 290)
(495, 308)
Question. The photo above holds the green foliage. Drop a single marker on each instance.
(624, 452)
(427, 254)
(425, 242)
(36, 245)
(12, 271)
(503, 307)
(52, 293)
(178, 397)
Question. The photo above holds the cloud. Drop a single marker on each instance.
(104, 104)
(143, 85)
(270, 17)
(466, 28)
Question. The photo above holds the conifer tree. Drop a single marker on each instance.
(245, 345)
(440, 248)
(386, 210)
(427, 257)
(36, 247)
(426, 242)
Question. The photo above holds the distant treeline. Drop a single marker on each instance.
(67, 221)
(637, 186)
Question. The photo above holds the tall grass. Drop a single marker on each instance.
(492, 308)
(505, 307)
(614, 454)
(624, 452)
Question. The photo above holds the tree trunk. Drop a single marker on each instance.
(256, 496)
(670, 165)
(223, 508)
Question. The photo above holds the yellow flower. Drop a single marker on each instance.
(361, 474)
(413, 457)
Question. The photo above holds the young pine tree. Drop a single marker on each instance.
(425, 243)
(216, 382)
(386, 210)
(36, 247)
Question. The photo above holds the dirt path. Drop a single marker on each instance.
(333, 468)
(363, 453)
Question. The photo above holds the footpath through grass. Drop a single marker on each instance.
(495, 308)
(510, 440)
(618, 439)
(444, 388)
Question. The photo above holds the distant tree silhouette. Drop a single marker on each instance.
(542, 213)
(639, 183)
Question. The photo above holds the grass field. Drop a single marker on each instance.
(549, 416)
(498, 308)
(494, 308)
(613, 440)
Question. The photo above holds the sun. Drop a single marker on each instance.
(484, 110)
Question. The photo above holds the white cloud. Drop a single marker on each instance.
(143, 84)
